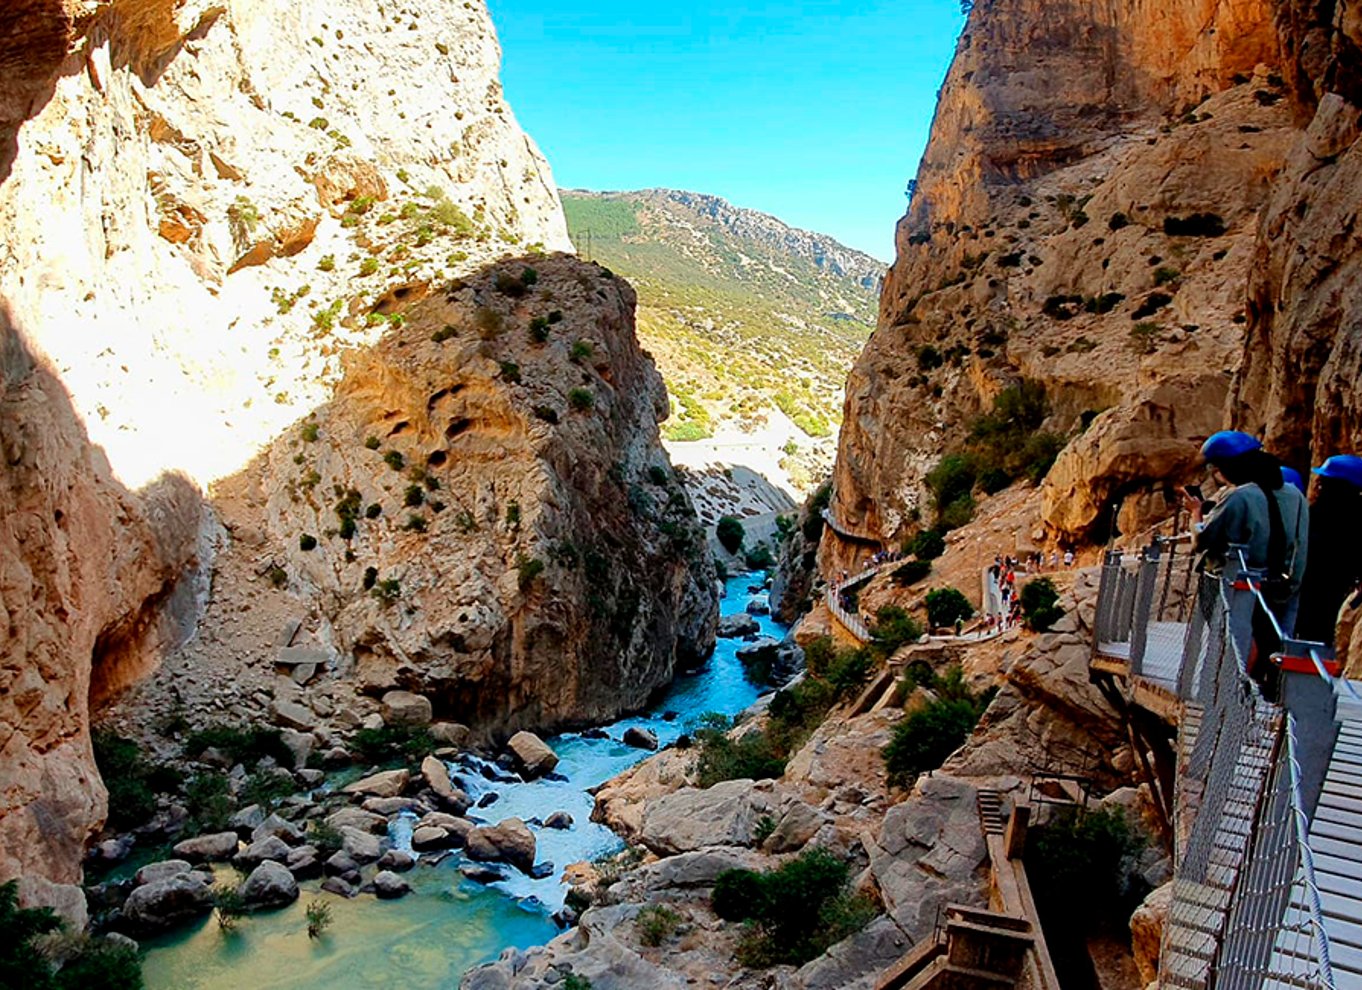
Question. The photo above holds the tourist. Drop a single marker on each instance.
(1054, 560)
(1335, 554)
(1263, 514)
(1293, 477)
(1068, 558)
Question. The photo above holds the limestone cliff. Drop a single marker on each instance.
(188, 176)
(222, 221)
(1086, 214)
(92, 588)
(496, 524)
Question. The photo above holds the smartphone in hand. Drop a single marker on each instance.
(1195, 492)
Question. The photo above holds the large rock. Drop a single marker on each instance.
(386, 784)
(532, 755)
(163, 870)
(404, 708)
(640, 738)
(270, 885)
(293, 715)
(211, 848)
(281, 827)
(362, 847)
(431, 837)
(357, 818)
(738, 625)
(436, 775)
(160, 906)
(723, 815)
(388, 885)
(268, 847)
(509, 841)
(1146, 931)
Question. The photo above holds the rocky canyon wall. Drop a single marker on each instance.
(497, 525)
(1150, 208)
(250, 235)
(92, 588)
(175, 171)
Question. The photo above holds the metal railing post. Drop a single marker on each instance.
(1146, 582)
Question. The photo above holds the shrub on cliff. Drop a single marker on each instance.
(893, 628)
(751, 757)
(1040, 604)
(927, 545)
(240, 745)
(911, 572)
(730, 533)
(132, 780)
(581, 399)
(925, 738)
(390, 743)
(95, 962)
(794, 912)
(945, 605)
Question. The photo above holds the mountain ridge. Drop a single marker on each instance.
(786, 310)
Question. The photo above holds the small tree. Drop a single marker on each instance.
(945, 605)
(927, 545)
(730, 533)
(318, 918)
(1040, 604)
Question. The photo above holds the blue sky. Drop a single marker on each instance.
(816, 112)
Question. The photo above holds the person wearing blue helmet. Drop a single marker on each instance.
(1335, 547)
(1293, 477)
(1266, 516)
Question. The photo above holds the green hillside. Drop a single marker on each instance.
(741, 312)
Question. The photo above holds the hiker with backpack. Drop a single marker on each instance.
(1267, 517)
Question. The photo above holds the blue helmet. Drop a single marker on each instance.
(1344, 467)
(1227, 444)
(1293, 477)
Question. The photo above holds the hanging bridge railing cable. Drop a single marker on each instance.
(1246, 907)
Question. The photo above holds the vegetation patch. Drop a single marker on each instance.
(923, 740)
(794, 912)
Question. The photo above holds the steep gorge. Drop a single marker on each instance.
(1131, 204)
(247, 236)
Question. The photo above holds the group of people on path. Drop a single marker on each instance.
(1310, 554)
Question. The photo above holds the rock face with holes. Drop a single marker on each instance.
(1121, 203)
(485, 513)
(241, 161)
(95, 582)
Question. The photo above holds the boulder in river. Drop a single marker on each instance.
(365, 821)
(396, 860)
(304, 863)
(759, 606)
(389, 886)
(384, 784)
(163, 904)
(244, 822)
(341, 864)
(559, 819)
(510, 841)
(436, 775)
(269, 885)
(640, 738)
(738, 625)
(362, 847)
(481, 873)
(533, 757)
(269, 847)
(212, 848)
(282, 827)
(339, 886)
(431, 837)
(163, 870)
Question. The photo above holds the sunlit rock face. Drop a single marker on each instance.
(95, 582)
(174, 172)
(218, 219)
(1049, 237)
(519, 549)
